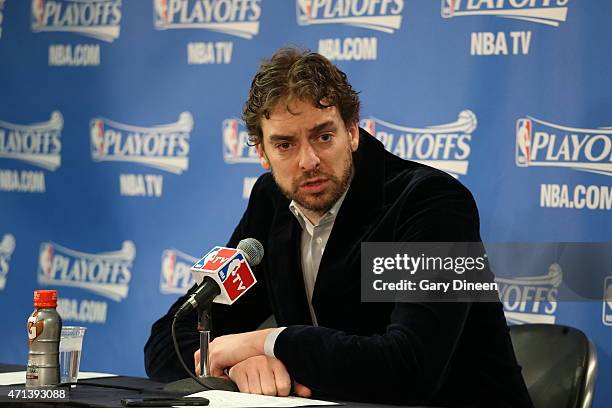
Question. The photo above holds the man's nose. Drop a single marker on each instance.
(309, 159)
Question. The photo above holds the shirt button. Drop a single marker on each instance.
(319, 240)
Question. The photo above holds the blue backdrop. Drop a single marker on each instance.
(122, 156)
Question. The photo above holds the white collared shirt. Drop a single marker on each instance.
(313, 241)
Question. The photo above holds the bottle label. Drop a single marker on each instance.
(35, 327)
(32, 372)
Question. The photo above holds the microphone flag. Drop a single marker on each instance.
(229, 268)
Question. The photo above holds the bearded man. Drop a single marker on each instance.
(330, 187)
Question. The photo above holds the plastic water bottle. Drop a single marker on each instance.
(44, 330)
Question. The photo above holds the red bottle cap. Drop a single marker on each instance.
(45, 298)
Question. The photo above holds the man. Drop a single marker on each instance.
(331, 187)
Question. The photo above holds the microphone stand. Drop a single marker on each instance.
(204, 327)
(205, 381)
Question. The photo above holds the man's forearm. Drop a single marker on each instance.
(227, 351)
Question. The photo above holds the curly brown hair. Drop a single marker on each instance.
(290, 74)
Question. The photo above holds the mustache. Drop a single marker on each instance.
(313, 174)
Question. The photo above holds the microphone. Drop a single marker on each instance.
(227, 275)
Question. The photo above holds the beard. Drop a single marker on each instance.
(322, 202)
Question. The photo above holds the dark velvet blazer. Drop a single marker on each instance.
(443, 354)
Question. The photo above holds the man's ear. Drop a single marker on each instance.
(263, 159)
(353, 131)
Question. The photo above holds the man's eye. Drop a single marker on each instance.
(283, 146)
(326, 137)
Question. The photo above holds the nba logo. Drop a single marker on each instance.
(97, 137)
(168, 268)
(523, 142)
(38, 12)
(161, 8)
(230, 139)
(369, 126)
(45, 260)
(607, 302)
(175, 274)
(304, 11)
(449, 7)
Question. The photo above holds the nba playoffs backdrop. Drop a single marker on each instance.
(123, 156)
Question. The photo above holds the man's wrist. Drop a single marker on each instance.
(271, 341)
(258, 342)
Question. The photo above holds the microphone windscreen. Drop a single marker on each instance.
(253, 250)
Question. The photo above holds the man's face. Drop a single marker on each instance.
(309, 153)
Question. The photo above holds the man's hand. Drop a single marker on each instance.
(249, 368)
(265, 376)
(227, 351)
(261, 375)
